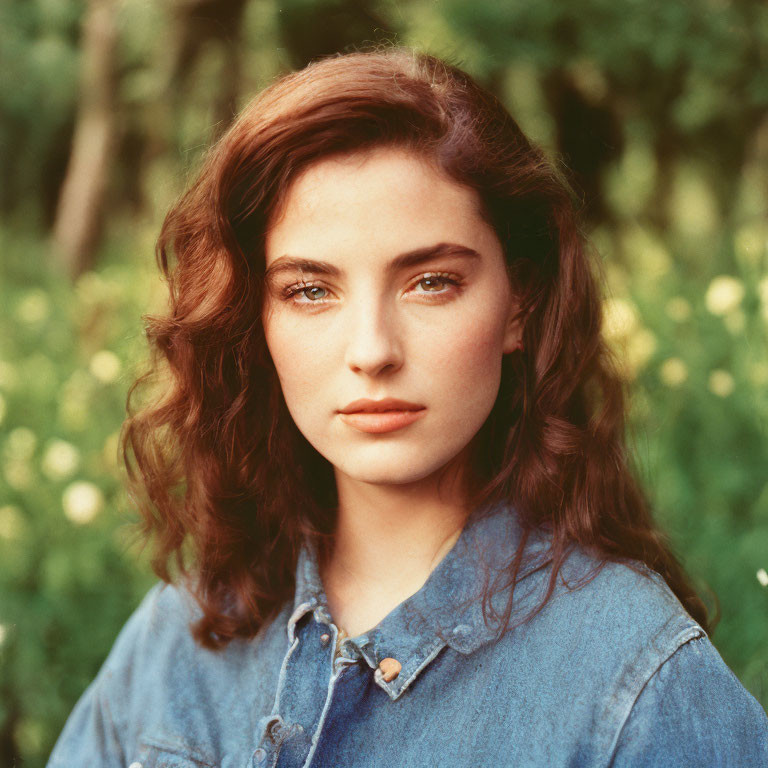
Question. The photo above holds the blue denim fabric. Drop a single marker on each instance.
(615, 673)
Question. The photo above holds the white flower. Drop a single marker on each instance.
(721, 383)
(620, 318)
(105, 366)
(82, 501)
(724, 294)
(673, 372)
(678, 309)
(762, 577)
(60, 460)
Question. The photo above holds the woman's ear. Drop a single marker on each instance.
(513, 334)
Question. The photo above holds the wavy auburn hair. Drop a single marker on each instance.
(227, 486)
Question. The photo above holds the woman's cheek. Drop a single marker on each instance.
(472, 352)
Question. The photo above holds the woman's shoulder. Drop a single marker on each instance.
(642, 670)
(157, 657)
(159, 632)
(625, 603)
(691, 710)
(158, 680)
(626, 618)
(619, 603)
(163, 617)
(155, 641)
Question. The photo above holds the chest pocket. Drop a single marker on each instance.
(157, 753)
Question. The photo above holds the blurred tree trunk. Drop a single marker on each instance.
(589, 139)
(324, 27)
(79, 213)
(193, 27)
(9, 754)
(196, 24)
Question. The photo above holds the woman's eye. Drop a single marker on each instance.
(433, 282)
(310, 292)
(436, 283)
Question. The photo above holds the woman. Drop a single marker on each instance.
(385, 469)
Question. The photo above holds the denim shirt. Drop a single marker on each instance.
(615, 673)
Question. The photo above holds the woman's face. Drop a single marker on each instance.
(401, 293)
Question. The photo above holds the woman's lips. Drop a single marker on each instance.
(383, 421)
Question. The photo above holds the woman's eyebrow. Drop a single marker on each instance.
(403, 261)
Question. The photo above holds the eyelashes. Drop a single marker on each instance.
(453, 282)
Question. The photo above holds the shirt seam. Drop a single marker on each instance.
(686, 635)
(317, 735)
(171, 748)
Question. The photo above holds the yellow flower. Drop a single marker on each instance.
(673, 372)
(620, 318)
(82, 501)
(724, 295)
(721, 383)
(60, 460)
(105, 366)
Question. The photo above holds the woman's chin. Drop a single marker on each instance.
(399, 471)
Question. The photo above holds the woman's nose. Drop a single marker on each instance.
(373, 339)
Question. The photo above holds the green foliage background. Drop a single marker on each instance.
(658, 110)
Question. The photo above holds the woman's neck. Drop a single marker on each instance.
(387, 541)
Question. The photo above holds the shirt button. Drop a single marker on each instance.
(389, 669)
(325, 638)
(260, 756)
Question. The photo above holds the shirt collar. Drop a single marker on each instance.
(447, 609)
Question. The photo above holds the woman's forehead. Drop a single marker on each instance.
(387, 198)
